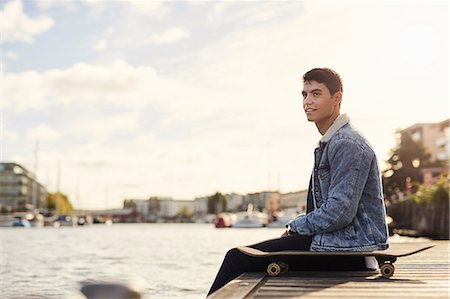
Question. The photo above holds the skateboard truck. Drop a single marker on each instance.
(277, 268)
(386, 265)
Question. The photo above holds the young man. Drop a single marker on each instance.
(345, 207)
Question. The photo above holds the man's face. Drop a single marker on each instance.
(318, 103)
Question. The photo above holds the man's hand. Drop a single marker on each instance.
(286, 233)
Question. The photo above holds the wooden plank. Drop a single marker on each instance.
(433, 283)
(424, 275)
(239, 287)
(351, 295)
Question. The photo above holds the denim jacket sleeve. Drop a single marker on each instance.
(349, 169)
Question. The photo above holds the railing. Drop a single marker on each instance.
(429, 219)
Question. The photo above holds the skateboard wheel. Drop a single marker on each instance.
(273, 269)
(387, 270)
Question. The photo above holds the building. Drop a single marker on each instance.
(154, 209)
(295, 201)
(19, 189)
(141, 207)
(200, 207)
(263, 201)
(235, 202)
(435, 138)
(171, 209)
(443, 140)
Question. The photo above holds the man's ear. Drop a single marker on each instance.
(337, 97)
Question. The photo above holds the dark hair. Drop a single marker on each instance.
(327, 76)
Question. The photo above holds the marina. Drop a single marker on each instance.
(178, 261)
(168, 260)
(160, 149)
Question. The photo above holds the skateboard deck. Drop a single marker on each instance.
(279, 259)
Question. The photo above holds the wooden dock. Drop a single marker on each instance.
(423, 275)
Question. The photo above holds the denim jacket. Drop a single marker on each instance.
(349, 212)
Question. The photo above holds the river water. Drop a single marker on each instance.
(166, 260)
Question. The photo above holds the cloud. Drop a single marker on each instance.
(217, 10)
(149, 8)
(101, 127)
(8, 134)
(50, 4)
(42, 132)
(100, 45)
(10, 55)
(170, 36)
(118, 84)
(18, 27)
(23, 91)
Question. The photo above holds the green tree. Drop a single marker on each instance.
(185, 213)
(436, 193)
(406, 160)
(60, 201)
(217, 203)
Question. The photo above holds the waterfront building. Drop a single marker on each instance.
(200, 207)
(235, 202)
(294, 201)
(170, 209)
(141, 207)
(435, 138)
(268, 201)
(19, 189)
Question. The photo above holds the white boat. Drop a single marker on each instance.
(251, 219)
(21, 219)
(280, 222)
(65, 220)
(248, 222)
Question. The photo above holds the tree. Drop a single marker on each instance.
(406, 161)
(437, 193)
(184, 213)
(64, 206)
(217, 203)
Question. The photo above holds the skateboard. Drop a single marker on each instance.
(386, 259)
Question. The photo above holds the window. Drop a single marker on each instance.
(442, 156)
(416, 136)
(18, 170)
(24, 190)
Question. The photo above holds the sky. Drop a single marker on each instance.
(132, 99)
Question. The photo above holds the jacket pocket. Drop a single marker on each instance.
(323, 175)
(349, 231)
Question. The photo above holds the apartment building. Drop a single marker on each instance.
(263, 201)
(295, 201)
(19, 189)
(435, 138)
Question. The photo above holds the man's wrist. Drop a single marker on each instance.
(290, 229)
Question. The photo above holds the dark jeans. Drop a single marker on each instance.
(235, 263)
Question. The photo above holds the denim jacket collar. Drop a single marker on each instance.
(338, 123)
